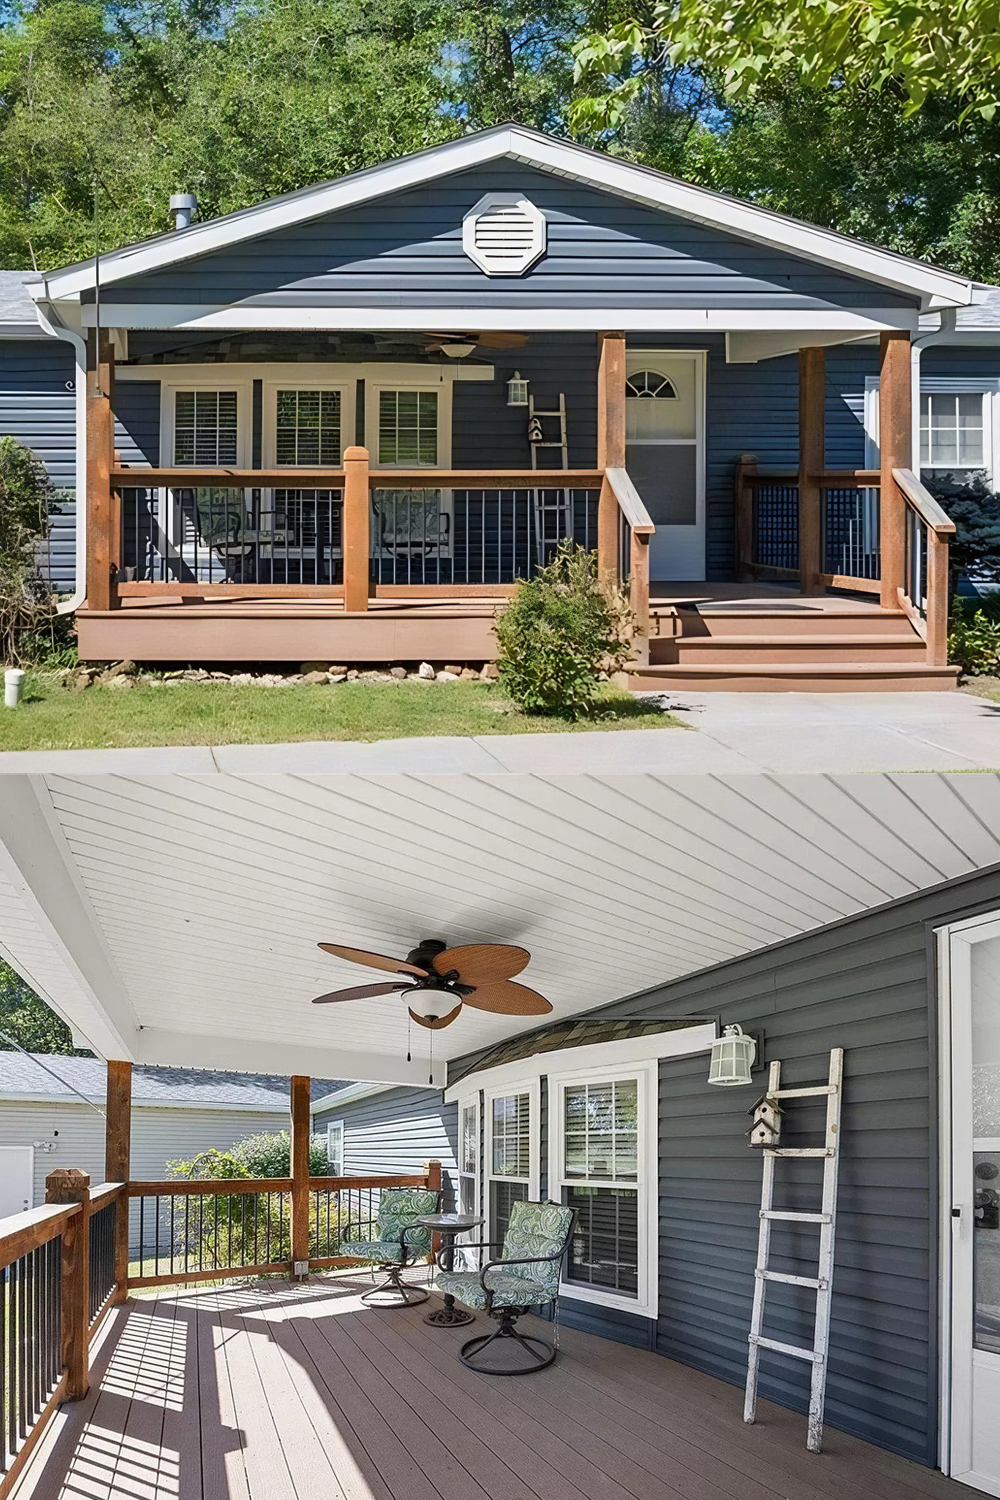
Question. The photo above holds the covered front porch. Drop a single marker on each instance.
(271, 1391)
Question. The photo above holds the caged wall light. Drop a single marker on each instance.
(733, 1056)
(517, 390)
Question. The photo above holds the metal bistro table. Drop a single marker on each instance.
(448, 1226)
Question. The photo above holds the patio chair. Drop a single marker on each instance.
(411, 526)
(223, 525)
(399, 1242)
(526, 1275)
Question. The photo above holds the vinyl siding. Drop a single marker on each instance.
(866, 984)
(405, 250)
(397, 1131)
(158, 1136)
(38, 407)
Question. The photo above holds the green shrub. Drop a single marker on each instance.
(25, 602)
(560, 630)
(974, 641)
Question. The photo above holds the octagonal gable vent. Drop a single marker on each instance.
(503, 234)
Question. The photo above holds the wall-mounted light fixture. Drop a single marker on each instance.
(517, 390)
(732, 1058)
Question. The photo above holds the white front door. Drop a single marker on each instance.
(16, 1180)
(665, 455)
(972, 1204)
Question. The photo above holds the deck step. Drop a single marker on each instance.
(791, 649)
(708, 621)
(782, 677)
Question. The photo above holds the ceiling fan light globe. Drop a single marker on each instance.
(431, 1005)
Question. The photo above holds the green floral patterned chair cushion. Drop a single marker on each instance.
(533, 1229)
(397, 1211)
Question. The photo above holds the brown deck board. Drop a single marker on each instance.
(272, 1391)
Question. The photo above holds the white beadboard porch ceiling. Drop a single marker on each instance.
(174, 918)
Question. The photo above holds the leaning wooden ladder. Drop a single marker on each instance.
(822, 1282)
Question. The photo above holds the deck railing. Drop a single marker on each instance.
(768, 522)
(924, 594)
(64, 1266)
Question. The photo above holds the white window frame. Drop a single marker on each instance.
(202, 378)
(942, 385)
(389, 382)
(646, 1077)
(533, 1088)
(306, 378)
(335, 1128)
(474, 1102)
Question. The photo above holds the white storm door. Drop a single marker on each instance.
(665, 455)
(974, 1206)
(16, 1180)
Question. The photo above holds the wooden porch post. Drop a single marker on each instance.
(71, 1186)
(117, 1161)
(746, 465)
(102, 509)
(301, 1123)
(610, 442)
(812, 461)
(895, 422)
(356, 543)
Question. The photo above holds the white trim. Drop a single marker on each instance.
(937, 287)
(302, 378)
(243, 316)
(195, 1049)
(533, 1088)
(645, 1304)
(391, 381)
(207, 378)
(349, 1093)
(338, 1127)
(632, 1049)
(473, 1101)
(923, 385)
(664, 544)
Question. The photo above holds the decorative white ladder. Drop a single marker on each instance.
(553, 508)
(822, 1282)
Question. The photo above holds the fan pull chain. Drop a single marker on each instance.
(409, 1027)
(430, 1058)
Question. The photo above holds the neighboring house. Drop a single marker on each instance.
(665, 1245)
(371, 1129)
(499, 305)
(177, 1112)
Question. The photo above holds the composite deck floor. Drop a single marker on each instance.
(275, 1392)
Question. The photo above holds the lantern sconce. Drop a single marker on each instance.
(517, 390)
(733, 1056)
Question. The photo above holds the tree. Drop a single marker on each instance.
(916, 48)
(27, 1020)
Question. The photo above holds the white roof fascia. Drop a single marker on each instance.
(935, 287)
(349, 1094)
(699, 320)
(10, 1097)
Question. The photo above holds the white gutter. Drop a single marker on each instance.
(53, 325)
(945, 334)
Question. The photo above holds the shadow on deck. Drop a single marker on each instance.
(267, 1391)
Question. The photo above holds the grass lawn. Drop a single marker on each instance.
(196, 713)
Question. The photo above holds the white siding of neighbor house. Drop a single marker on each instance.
(158, 1136)
(396, 1130)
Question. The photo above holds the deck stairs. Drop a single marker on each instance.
(802, 645)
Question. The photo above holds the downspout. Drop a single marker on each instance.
(53, 325)
(941, 335)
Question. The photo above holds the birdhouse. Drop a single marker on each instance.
(765, 1128)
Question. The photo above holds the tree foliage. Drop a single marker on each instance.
(27, 1020)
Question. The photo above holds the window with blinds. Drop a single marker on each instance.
(599, 1178)
(205, 429)
(307, 429)
(509, 1158)
(408, 427)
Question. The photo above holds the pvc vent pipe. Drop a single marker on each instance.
(182, 206)
(13, 682)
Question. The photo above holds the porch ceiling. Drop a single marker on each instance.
(174, 919)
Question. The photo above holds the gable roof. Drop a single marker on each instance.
(23, 1078)
(935, 287)
(17, 310)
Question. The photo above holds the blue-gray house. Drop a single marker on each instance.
(342, 424)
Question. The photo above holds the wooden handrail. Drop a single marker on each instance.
(298, 479)
(923, 502)
(485, 479)
(340, 1184)
(22, 1233)
(186, 1186)
(105, 1190)
(630, 502)
(323, 479)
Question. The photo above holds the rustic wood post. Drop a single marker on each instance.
(71, 1186)
(301, 1123)
(117, 1162)
(746, 465)
(812, 461)
(432, 1172)
(355, 530)
(895, 401)
(102, 543)
(610, 443)
(639, 589)
(937, 599)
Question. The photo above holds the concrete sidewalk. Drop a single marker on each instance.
(750, 732)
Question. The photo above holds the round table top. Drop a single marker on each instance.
(449, 1223)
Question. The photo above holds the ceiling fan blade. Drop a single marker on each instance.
(361, 992)
(372, 960)
(440, 1022)
(508, 999)
(483, 963)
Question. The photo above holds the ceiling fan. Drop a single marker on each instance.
(436, 981)
(498, 339)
